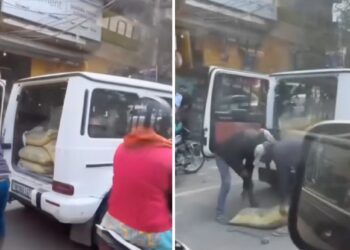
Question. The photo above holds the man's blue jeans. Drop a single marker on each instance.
(224, 170)
(4, 192)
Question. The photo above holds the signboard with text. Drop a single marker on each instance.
(262, 8)
(79, 17)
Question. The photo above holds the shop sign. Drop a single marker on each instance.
(336, 59)
(120, 31)
(262, 8)
(79, 17)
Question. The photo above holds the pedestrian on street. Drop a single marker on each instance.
(4, 191)
(183, 106)
(238, 153)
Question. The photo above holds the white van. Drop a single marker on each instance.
(297, 100)
(87, 114)
(283, 102)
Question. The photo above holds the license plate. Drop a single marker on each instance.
(21, 189)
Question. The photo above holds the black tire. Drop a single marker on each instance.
(197, 149)
(26, 205)
(97, 220)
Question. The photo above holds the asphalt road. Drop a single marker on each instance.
(195, 225)
(195, 211)
(30, 230)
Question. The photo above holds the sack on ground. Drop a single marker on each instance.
(36, 168)
(35, 154)
(260, 218)
(40, 137)
(51, 148)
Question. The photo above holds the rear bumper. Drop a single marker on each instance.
(67, 210)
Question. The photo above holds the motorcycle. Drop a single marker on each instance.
(188, 154)
(110, 240)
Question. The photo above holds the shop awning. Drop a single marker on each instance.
(39, 50)
(234, 25)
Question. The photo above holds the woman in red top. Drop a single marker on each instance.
(138, 207)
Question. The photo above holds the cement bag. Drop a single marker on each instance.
(36, 168)
(24, 135)
(40, 137)
(35, 154)
(51, 148)
(260, 218)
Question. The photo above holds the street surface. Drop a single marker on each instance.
(195, 214)
(29, 230)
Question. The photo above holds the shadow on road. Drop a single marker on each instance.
(28, 229)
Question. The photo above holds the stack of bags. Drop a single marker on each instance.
(38, 153)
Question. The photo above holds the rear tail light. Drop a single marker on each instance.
(62, 188)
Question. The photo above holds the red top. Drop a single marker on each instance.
(142, 185)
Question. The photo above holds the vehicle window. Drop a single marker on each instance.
(239, 98)
(41, 105)
(39, 108)
(302, 102)
(108, 116)
(327, 175)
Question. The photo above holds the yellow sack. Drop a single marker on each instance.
(36, 168)
(39, 136)
(51, 148)
(35, 154)
(260, 218)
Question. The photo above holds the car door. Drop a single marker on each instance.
(235, 101)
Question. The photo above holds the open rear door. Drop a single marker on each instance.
(236, 101)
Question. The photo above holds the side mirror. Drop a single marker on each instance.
(319, 217)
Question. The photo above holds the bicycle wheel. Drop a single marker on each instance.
(194, 157)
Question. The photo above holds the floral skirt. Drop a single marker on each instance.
(144, 240)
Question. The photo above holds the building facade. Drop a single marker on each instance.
(263, 36)
(51, 36)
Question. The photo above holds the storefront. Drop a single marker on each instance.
(91, 39)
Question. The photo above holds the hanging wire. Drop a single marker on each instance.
(29, 33)
(217, 18)
(38, 37)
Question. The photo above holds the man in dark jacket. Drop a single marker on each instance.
(286, 155)
(238, 153)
